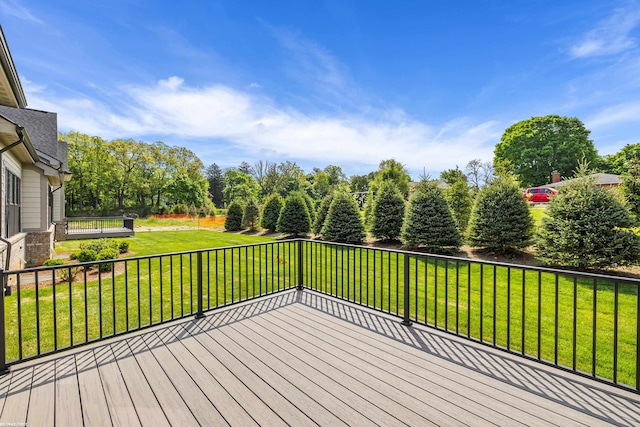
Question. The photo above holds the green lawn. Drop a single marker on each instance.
(163, 287)
(537, 213)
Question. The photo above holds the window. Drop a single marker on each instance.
(12, 205)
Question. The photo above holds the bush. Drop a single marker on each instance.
(271, 212)
(387, 212)
(86, 255)
(321, 215)
(428, 222)
(251, 215)
(99, 244)
(123, 246)
(586, 226)
(53, 261)
(311, 207)
(500, 220)
(178, 208)
(234, 216)
(106, 254)
(294, 218)
(343, 223)
(73, 256)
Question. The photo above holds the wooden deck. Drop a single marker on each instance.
(98, 233)
(299, 358)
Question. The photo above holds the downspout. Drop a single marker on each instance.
(7, 264)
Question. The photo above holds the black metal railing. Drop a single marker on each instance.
(57, 308)
(90, 225)
(584, 323)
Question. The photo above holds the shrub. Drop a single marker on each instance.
(428, 222)
(86, 255)
(106, 254)
(123, 246)
(321, 215)
(343, 223)
(311, 208)
(500, 220)
(271, 212)
(586, 226)
(178, 208)
(294, 218)
(63, 273)
(251, 215)
(73, 256)
(99, 244)
(460, 202)
(388, 212)
(53, 261)
(234, 216)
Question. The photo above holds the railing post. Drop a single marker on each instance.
(200, 313)
(3, 345)
(406, 321)
(300, 269)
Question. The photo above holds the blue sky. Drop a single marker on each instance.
(432, 84)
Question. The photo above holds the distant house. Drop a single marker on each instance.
(33, 171)
(605, 180)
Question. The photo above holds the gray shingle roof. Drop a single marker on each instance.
(600, 179)
(42, 127)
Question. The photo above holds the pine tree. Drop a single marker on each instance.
(587, 226)
(460, 202)
(271, 212)
(251, 215)
(388, 212)
(428, 222)
(321, 215)
(343, 223)
(500, 220)
(294, 217)
(234, 216)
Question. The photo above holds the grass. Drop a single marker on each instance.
(537, 212)
(447, 294)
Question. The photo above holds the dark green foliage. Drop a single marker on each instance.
(630, 187)
(311, 208)
(251, 215)
(271, 212)
(343, 223)
(179, 208)
(586, 226)
(53, 261)
(105, 254)
(533, 148)
(123, 247)
(100, 244)
(86, 255)
(234, 216)
(500, 219)
(429, 223)
(459, 199)
(388, 212)
(321, 215)
(294, 218)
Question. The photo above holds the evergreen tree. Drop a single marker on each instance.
(321, 215)
(500, 219)
(294, 217)
(271, 212)
(216, 184)
(388, 212)
(251, 215)
(234, 216)
(429, 223)
(630, 187)
(343, 223)
(587, 226)
(311, 208)
(460, 202)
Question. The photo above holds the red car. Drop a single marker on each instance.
(539, 194)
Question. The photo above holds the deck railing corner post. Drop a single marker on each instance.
(407, 297)
(200, 312)
(300, 264)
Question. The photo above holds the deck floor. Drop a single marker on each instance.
(300, 358)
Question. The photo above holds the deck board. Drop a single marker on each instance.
(302, 358)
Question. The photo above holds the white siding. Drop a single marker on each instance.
(58, 203)
(31, 200)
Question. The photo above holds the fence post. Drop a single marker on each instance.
(300, 269)
(406, 321)
(200, 313)
(3, 345)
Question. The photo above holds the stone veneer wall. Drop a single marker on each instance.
(39, 246)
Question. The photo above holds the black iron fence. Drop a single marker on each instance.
(580, 322)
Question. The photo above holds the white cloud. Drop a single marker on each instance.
(15, 8)
(615, 115)
(610, 36)
(255, 125)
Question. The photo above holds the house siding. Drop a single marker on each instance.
(9, 163)
(31, 200)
